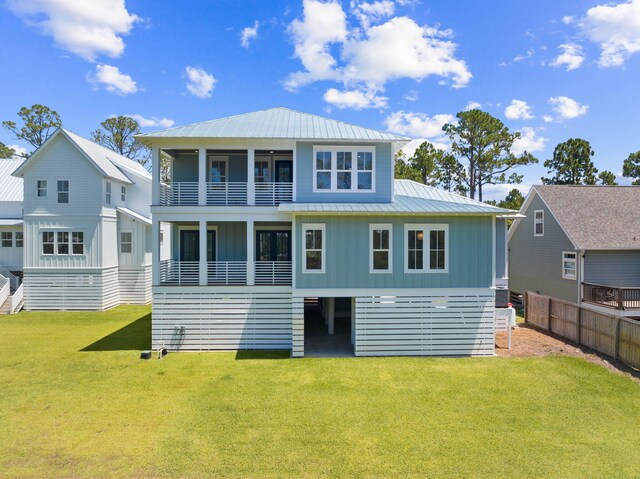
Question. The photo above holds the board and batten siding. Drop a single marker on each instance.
(304, 176)
(347, 250)
(185, 167)
(535, 262)
(231, 238)
(612, 268)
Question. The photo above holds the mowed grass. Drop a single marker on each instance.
(75, 401)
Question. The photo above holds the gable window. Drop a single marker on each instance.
(342, 169)
(107, 198)
(48, 240)
(380, 259)
(41, 187)
(126, 242)
(569, 265)
(6, 239)
(62, 242)
(123, 193)
(313, 235)
(77, 242)
(19, 239)
(63, 191)
(538, 223)
(426, 248)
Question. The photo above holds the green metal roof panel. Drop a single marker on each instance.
(275, 123)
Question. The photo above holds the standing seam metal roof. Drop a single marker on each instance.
(10, 186)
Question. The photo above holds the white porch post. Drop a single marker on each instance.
(331, 314)
(250, 254)
(155, 251)
(202, 176)
(155, 176)
(203, 253)
(251, 176)
(353, 321)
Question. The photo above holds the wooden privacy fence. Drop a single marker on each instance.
(612, 335)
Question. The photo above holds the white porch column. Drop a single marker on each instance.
(203, 253)
(155, 251)
(353, 321)
(251, 176)
(202, 176)
(250, 254)
(155, 177)
(331, 315)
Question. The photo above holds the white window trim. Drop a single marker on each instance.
(264, 159)
(354, 170)
(535, 222)
(426, 256)
(218, 158)
(46, 188)
(123, 193)
(42, 243)
(575, 262)
(120, 245)
(323, 251)
(196, 228)
(12, 239)
(372, 228)
(108, 190)
(55, 232)
(71, 243)
(58, 191)
(15, 239)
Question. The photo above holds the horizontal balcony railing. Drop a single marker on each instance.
(617, 297)
(179, 273)
(179, 194)
(272, 194)
(226, 273)
(227, 194)
(273, 272)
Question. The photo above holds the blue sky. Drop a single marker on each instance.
(552, 70)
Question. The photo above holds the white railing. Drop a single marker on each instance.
(228, 193)
(180, 193)
(16, 298)
(179, 272)
(272, 194)
(273, 272)
(5, 289)
(14, 281)
(227, 272)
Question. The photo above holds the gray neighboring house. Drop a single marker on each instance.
(580, 244)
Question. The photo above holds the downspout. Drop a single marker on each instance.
(580, 275)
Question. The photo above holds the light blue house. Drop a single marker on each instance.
(289, 232)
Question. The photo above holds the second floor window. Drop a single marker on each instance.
(218, 171)
(63, 191)
(123, 193)
(538, 225)
(344, 169)
(107, 198)
(42, 188)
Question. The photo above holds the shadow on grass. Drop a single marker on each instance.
(134, 336)
(261, 354)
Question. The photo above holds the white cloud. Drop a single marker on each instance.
(547, 118)
(518, 58)
(571, 56)
(616, 29)
(366, 58)
(410, 148)
(411, 95)
(355, 99)
(529, 141)
(86, 29)
(567, 19)
(499, 191)
(419, 125)
(249, 33)
(567, 108)
(518, 110)
(199, 82)
(472, 105)
(20, 152)
(113, 80)
(152, 121)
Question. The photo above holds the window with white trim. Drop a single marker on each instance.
(217, 169)
(126, 242)
(48, 242)
(6, 239)
(380, 260)
(62, 242)
(107, 198)
(261, 170)
(19, 239)
(344, 168)
(538, 223)
(426, 248)
(123, 193)
(77, 242)
(313, 251)
(63, 191)
(41, 188)
(569, 265)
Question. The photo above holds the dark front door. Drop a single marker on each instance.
(283, 171)
(272, 245)
(190, 245)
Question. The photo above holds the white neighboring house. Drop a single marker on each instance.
(87, 226)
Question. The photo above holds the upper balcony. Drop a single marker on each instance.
(225, 178)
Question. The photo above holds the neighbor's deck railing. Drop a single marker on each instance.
(179, 194)
(273, 272)
(611, 296)
(179, 273)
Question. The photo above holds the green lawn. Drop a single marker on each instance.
(75, 401)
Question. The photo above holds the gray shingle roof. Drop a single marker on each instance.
(275, 123)
(10, 186)
(596, 217)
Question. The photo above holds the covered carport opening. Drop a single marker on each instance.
(329, 326)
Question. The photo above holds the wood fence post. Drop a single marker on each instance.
(579, 326)
(549, 313)
(616, 354)
(620, 299)
(526, 306)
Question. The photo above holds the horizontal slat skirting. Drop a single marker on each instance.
(135, 286)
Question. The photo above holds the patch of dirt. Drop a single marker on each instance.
(527, 341)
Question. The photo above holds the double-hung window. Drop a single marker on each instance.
(344, 168)
(323, 170)
(569, 265)
(126, 242)
(6, 239)
(107, 198)
(48, 242)
(380, 260)
(365, 170)
(314, 253)
(538, 223)
(426, 248)
(41, 188)
(63, 191)
(62, 242)
(19, 239)
(77, 242)
(123, 193)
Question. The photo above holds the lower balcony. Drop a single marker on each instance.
(615, 297)
(224, 273)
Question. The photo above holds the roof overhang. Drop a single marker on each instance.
(10, 221)
(132, 214)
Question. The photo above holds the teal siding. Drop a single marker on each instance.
(535, 262)
(231, 236)
(347, 253)
(304, 177)
(613, 268)
(501, 240)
